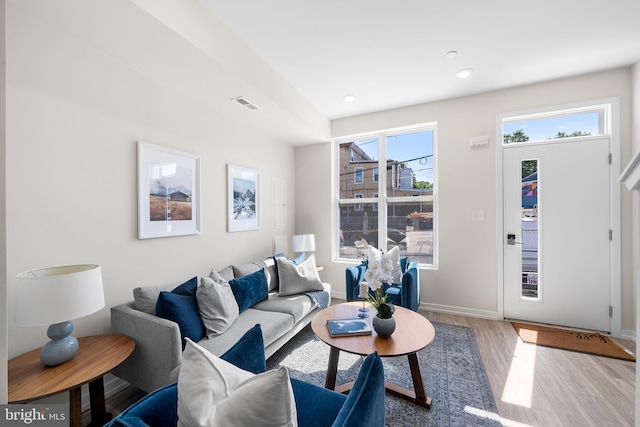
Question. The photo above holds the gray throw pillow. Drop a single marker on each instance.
(217, 306)
(297, 279)
(146, 298)
(247, 269)
(226, 273)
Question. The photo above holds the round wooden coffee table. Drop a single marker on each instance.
(413, 333)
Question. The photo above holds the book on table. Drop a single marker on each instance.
(348, 327)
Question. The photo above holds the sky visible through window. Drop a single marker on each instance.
(416, 149)
(544, 128)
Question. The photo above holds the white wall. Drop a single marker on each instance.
(635, 142)
(85, 81)
(635, 234)
(3, 222)
(466, 278)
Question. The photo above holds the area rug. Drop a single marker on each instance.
(584, 342)
(451, 365)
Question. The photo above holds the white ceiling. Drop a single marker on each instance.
(392, 53)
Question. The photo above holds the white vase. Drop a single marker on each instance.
(384, 327)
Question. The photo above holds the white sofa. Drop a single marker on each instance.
(158, 349)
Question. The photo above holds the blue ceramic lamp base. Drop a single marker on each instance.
(62, 346)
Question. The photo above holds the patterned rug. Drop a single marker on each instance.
(453, 373)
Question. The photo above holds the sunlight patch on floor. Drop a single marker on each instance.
(518, 389)
(492, 415)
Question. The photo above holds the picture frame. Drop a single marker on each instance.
(168, 192)
(243, 194)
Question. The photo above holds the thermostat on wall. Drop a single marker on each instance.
(479, 141)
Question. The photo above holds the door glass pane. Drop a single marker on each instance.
(358, 229)
(530, 231)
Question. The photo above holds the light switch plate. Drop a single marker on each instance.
(477, 215)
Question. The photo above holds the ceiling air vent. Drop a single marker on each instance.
(246, 104)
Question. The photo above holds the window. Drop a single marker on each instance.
(555, 125)
(358, 175)
(358, 206)
(391, 209)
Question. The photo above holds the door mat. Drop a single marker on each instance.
(583, 342)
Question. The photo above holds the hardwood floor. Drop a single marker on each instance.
(532, 385)
(547, 387)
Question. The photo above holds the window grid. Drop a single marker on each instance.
(398, 204)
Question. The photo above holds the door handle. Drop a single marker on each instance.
(511, 240)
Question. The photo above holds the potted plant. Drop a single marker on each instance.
(383, 323)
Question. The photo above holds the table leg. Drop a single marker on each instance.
(418, 383)
(99, 415)
(418, 395)
(332, 369)
(75, 407)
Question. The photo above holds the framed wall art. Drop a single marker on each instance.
(243, 198)
(168, 192)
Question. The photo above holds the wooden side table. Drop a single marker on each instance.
(29, 379)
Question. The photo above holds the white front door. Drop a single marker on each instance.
(556, 233)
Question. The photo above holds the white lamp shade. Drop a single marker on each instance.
(303, 243)
(57, 294)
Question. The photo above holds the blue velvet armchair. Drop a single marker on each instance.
(405, 294)
(315, 406)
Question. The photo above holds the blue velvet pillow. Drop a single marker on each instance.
(188, 288)
(180, 306)
(250, 289)
(365, 403)
(248, 352)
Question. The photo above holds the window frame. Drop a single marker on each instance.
(382, 200)
(604, 124)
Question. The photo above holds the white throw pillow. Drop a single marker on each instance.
(215, 393)
(297, 279)
(217, 305)
(392, 259)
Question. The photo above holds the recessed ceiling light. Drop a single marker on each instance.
(464, 73)
(452, 54)
(349, 98)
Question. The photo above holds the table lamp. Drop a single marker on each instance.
(303, 243)
(53, 296)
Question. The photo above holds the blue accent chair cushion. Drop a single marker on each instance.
(315, 406)
(405, 294)
(250, 289)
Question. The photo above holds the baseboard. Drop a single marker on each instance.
(628, 334)
(460, 311)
